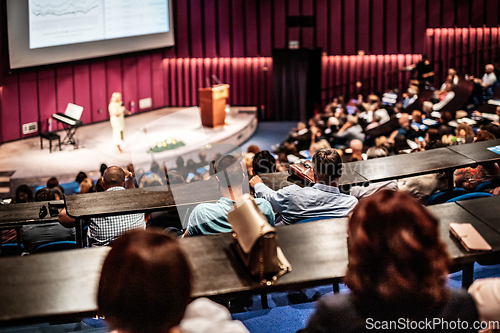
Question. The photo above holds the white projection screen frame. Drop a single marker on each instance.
(22, 56)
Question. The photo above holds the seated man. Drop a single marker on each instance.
(364, 191)
(211, 218)
(34, 235)
(488, 83)
(324, 199)
(103, 230)
(145, 286)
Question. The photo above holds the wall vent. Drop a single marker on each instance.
(29, 128)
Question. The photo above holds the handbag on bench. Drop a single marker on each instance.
(255, 242)
(304, 170)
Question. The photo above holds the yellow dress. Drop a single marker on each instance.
(117, 122)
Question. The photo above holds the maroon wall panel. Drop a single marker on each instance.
(224, 28)
(237, 28)
(265, 28)
(130, 83)
(363, 26)
(322, 25)
(181, 21)
(210, 28)
(99, 95)
(11, 126)
(46, 96)
(378, 27)
(28, 101)
(252, 29)
(82, 91)
(113, 77)
(477, 17)
(279, 29)
(349, 31)
(196, 27)
(144, 78)
(434, 14)
(64, 89)
(307, 37)
(157, 80)
(406, 30)
(448, 17)
(391, 27)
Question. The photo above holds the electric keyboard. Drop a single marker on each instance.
(67, 120)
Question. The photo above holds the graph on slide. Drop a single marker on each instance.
(64, 8)
(63, 22)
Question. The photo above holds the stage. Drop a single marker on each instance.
(34, 166)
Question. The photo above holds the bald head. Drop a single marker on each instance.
(404, 120)
(356, 145)
(489, 68)
(113, 176)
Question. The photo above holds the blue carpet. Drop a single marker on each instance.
(269, 133)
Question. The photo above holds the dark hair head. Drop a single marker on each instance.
(253, 149)
(103, 168)
(395, 253)
(484, 136)
(145, 283)
(26, 190)
(99, 185)
(327, 165)
(45, 194)
(229, 170)
(155, 168)
(52, 182)
(191, 166)
(81, 176)
(179, 162)
(263, 162)
(113, 176)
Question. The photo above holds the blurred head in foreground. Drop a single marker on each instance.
(145, 283)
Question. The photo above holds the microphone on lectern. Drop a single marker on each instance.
(216, 79)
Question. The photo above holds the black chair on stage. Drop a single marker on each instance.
(50, 136)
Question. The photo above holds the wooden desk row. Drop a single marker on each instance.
(63, 285)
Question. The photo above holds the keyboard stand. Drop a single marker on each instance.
(69, 139)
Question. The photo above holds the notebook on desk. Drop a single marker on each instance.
(468, 236)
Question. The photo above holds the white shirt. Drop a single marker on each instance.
(489, 79)
(449, 96)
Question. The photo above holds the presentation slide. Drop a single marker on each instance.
(64, 22)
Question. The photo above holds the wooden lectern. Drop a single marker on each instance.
(212, 103)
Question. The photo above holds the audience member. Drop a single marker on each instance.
(445, 97)
(34, 235)
(350, 131)
(104, 230)
(397, 269)
(24, 194)
(464, 133)
(253, 149)
(103, 168)
(52, 182)
(357, 150)
(145, 286)
(469, 178)
(81, 176)
(324, 199)
(87, 186)
(404, 132)
(410, 98)
(263, 162)
(211, 218)
(360, 192)
(488, 83)
(486, 294)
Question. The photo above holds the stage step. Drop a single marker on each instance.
(5, 183)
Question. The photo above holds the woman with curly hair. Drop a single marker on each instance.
(397, 272)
